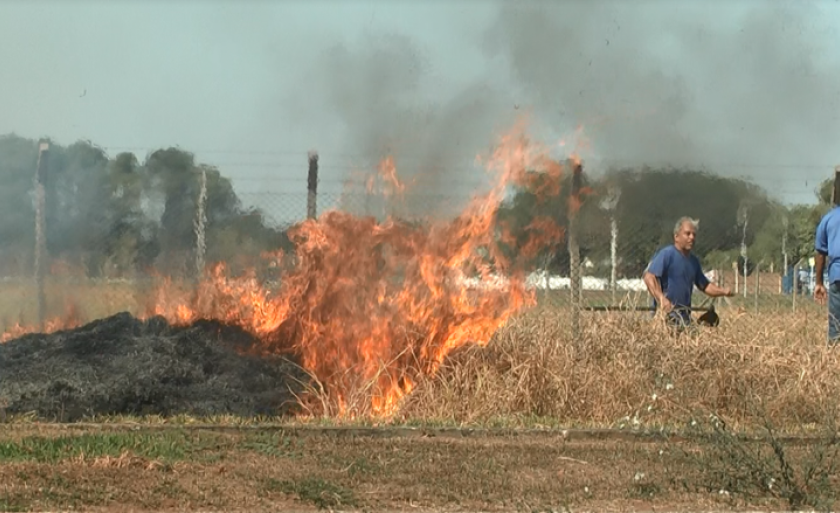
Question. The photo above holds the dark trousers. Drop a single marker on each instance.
(834, 313)
(679, 319)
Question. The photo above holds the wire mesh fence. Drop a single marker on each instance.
(107, 240)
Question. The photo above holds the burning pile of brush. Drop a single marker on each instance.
(370, 306)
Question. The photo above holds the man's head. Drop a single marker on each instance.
(685, 232)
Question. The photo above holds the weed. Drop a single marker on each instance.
(767, 465)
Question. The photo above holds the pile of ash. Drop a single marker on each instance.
(122, 365)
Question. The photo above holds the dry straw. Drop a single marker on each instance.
(627, 369)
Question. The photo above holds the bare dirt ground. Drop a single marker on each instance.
(51, 467)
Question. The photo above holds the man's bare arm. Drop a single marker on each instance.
(820, 294)
(713, 290)
(653, 287)
(819, 261)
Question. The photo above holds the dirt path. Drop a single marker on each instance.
(142, 469)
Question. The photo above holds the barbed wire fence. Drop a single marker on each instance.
(602, 282)
(572, 275)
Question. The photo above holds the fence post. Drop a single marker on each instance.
(312, 186)
(40, 232)
(784, 254)
(200, 222)
(546, 267)
(574, 248)
(610, 204)
(735, 272)
(613, 255)
(757, 273)
(835, 191)
(743, 218)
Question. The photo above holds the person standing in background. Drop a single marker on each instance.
(673, 273)
(827, 249)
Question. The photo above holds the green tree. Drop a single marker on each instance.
(652, 199)
(77, 204)
(542, 204)
(804, 221)
(794, 228)
(824, 191)
(118, 216)
(133, 234)
(18, 157)
(173, 177)
(175, 182)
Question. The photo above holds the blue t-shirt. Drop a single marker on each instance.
(678, 274)
(827, 242)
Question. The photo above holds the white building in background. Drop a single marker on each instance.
(540, 280)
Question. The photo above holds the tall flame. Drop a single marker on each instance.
(370, 307)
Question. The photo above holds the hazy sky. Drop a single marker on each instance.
(744, 88)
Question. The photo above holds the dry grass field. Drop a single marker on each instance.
(624, 370)
(628, 370)
(69, 299)
(764, 372)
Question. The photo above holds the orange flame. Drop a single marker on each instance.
(69, 320)
(388, 172)
(371, 307)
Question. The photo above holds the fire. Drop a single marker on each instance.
(391, 184)
(371, 307)
(69, 320)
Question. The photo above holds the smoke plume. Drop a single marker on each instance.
(743, 93)
(747, 89)
(386, 95)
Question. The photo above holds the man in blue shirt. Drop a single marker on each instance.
(673, 273)
(827, 244)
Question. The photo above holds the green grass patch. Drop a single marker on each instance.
(14, 502)
(166, 446)
(274, 444)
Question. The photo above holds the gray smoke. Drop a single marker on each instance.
(387, 98)
(657, 83)
(737, 89)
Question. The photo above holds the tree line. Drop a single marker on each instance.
(118, 216)
(646, 202)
